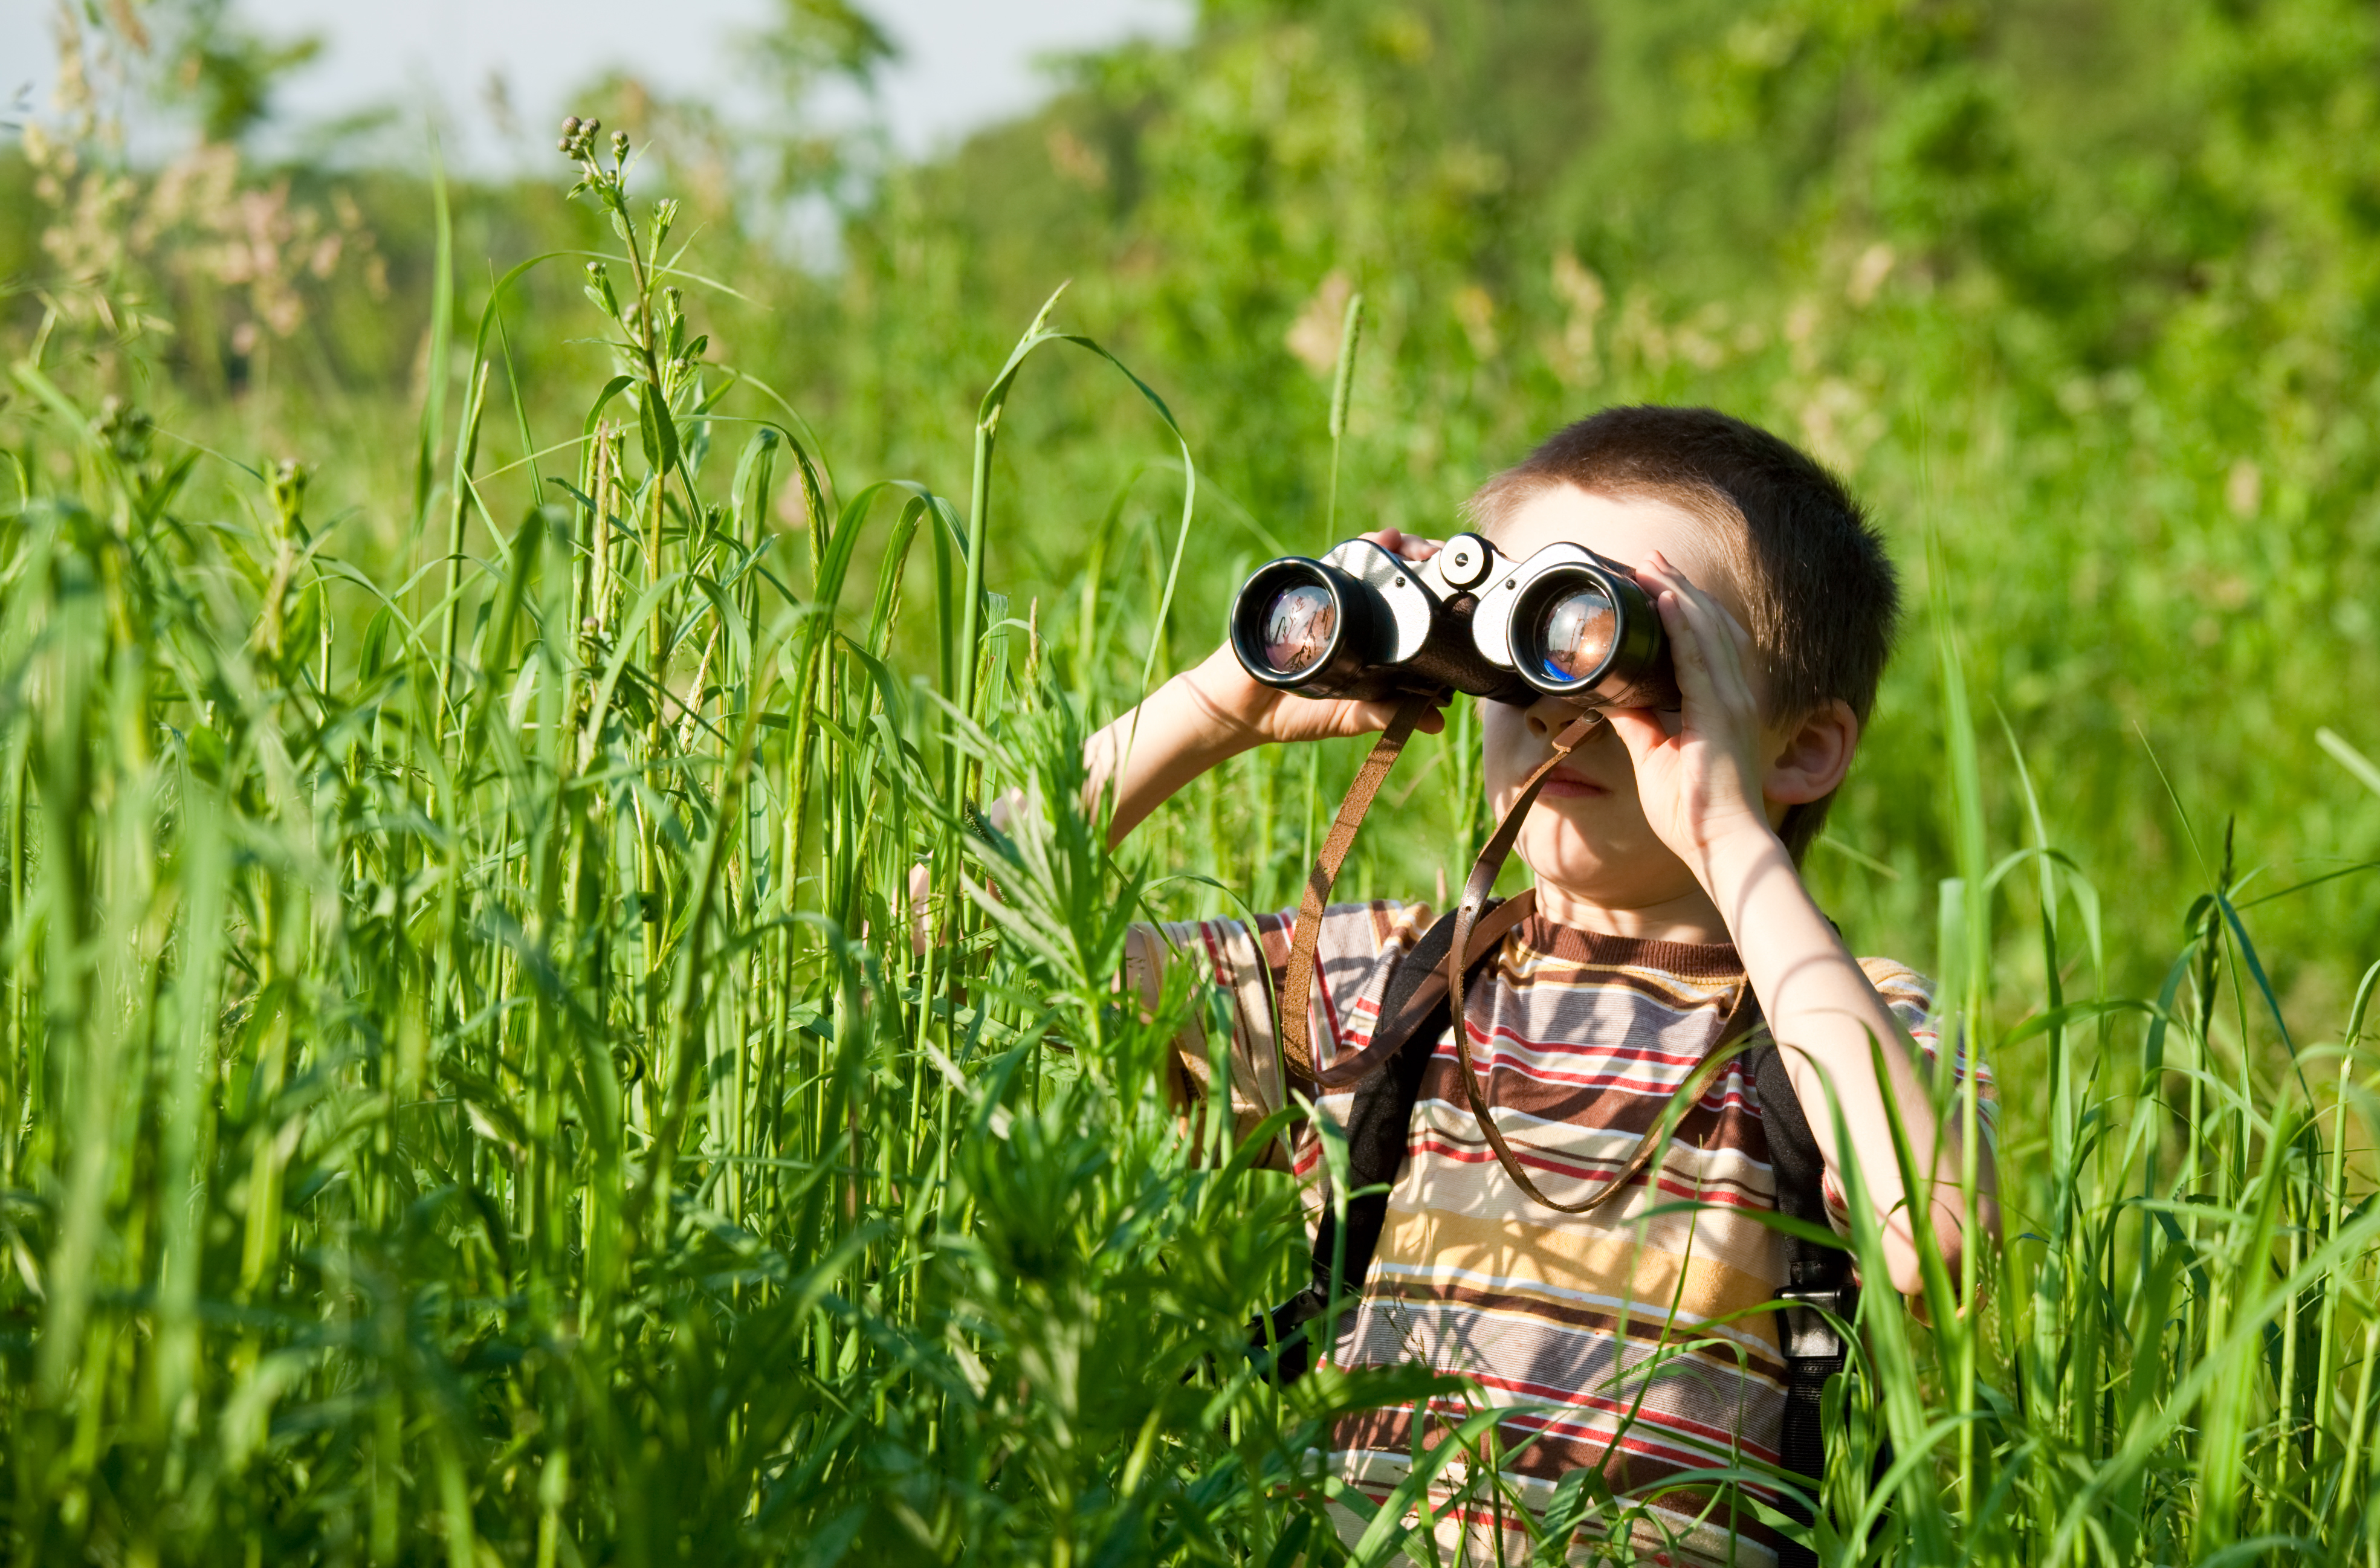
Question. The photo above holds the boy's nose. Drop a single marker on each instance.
(1549, 716)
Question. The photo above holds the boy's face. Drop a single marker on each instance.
(1587, 835)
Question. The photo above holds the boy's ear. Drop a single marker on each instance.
(1815, 755)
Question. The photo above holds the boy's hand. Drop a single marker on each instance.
(1702, 792)
(1205, 716)
(1700, 787)
(1251, 713)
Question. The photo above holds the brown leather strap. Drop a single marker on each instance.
(1476, 890)
(1392, 1033)
(1741, 1020)
(1297, 983)
(1474, 933)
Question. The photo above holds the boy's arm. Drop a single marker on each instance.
(1210, 713)
(1702, 792)
(1200, 718)
(1821, 1006)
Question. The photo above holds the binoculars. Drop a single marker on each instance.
(1362, 623)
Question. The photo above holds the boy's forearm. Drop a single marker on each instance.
(1820, 1004)
(1151, 753)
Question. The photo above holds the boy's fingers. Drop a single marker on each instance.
(1737, 631)
(1406, 546)
(1739, 637)
(921, 894)
(1665, 573)
(1716, 647)
(1686, 656)
(1668, 576)
(1701, 652)
(1723, 634)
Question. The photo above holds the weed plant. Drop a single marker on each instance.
(473, 1096)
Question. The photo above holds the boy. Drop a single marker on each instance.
(1665, 852)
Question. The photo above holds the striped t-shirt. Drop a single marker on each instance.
(1616, 1326)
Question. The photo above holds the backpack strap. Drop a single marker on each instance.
(1379, 1122)
(1820, 1277)
(1418, 998)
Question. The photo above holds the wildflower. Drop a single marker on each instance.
(598, 290)
(286, 483)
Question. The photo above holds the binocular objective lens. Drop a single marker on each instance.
(1297, 629)
(1577, 636)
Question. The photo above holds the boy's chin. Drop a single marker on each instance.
(1622, 871)
(1603, 889)
(1598, 836)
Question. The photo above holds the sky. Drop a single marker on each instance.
(963, 63)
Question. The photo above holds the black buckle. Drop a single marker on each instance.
(1283, 1355)
(1808, 1335)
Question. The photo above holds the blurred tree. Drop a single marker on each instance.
(812, 46)
(224, 68)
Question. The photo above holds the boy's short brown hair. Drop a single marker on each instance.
(1824, 598)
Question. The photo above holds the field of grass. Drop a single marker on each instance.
(472, 1097)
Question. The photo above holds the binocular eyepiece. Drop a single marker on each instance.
(1362, 623)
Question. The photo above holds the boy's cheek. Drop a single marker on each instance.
(1501, 729)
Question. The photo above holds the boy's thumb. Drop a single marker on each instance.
(1639, 729)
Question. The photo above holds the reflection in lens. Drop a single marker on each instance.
(1297, 629)
(1578, 633)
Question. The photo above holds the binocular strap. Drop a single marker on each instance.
(1297, 980)
(1475, 928)
(1821, 1275)
(1476, 890)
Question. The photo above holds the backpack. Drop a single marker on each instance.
(1423, 1000)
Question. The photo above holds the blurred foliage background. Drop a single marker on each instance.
(2081, 297)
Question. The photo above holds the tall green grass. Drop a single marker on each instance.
(474, 1098)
